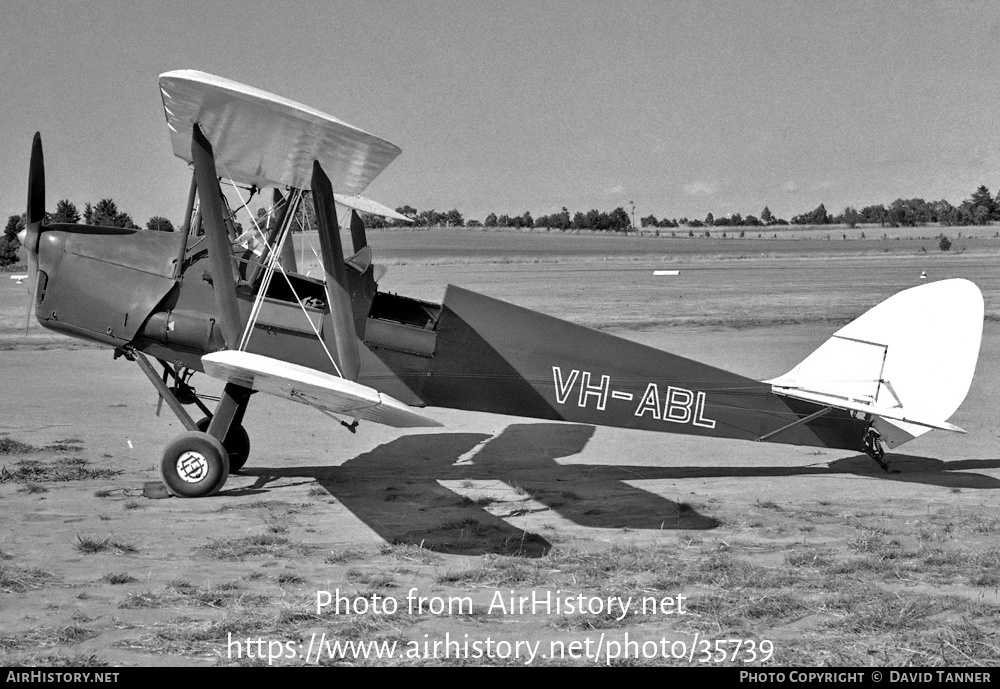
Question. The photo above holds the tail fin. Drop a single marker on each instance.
(909, 361)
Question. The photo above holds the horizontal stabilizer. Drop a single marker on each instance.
(312, 387)
(896, 414)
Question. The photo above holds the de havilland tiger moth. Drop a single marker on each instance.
(211, 299)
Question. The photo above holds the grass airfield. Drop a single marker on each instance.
(817, 557)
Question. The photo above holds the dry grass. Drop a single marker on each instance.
(345, 555)
(45, 637)
(187, 637)
(90, 545)
(289, 579)
(54, 660)
(65, 445)
(18, 579)
(373, 580)
(35, 471)
(9, 446)
(185, 593)
(498, 571)
(410, 553)
(260, 545)
(118, 578)
(869, 597)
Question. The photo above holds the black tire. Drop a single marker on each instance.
(194, 465)
(237, 444)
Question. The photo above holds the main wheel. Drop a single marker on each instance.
(194, 465)
(237, 444)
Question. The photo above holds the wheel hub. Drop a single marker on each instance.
(192, 466)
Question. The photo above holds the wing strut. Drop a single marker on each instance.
(358, 238)
(219, 249)
(338, 294)
(284, 240)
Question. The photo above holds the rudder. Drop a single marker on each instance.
(909, 361)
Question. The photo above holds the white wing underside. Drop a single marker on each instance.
(315, 388)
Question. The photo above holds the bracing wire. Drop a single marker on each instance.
(272, 263)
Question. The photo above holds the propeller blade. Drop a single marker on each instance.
(219, 249)
(36, 183)
(30, 236)
(35, 214)
(338, 292)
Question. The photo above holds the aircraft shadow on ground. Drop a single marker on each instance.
(926, 470)
(398, 489)
(903, 468)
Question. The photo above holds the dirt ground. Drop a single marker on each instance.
(501, 540)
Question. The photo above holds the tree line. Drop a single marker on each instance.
(104, 213)
(617, 220)
(981, 208)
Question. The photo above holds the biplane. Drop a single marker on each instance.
(216, 299)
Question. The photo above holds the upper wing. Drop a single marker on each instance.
(261, 138)
(309, 386)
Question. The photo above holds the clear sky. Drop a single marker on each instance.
(683, 107)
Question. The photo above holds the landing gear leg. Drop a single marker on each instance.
(198, 462)
(873, 446)
(226, 424)
(237, 443)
